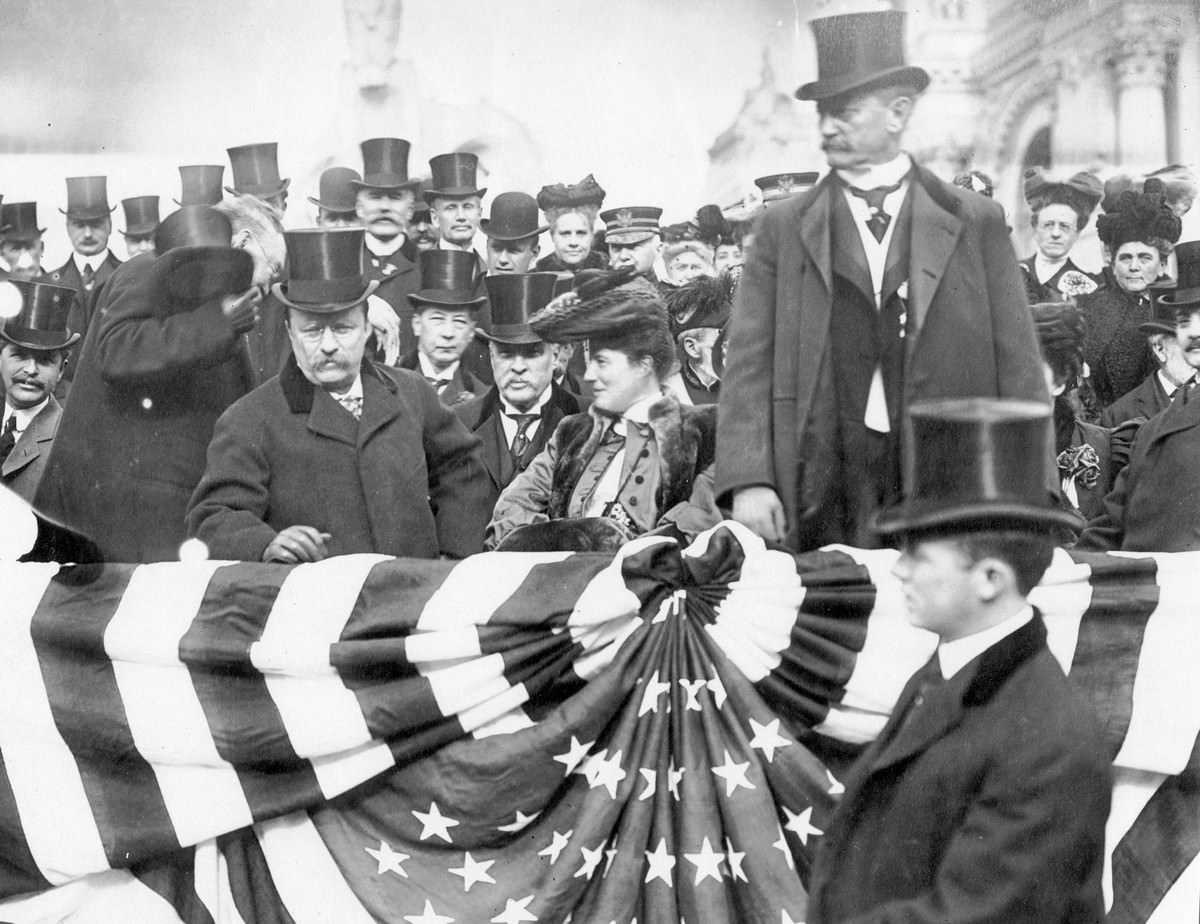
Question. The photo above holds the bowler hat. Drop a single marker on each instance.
(87, 198)
(453, 175)
(201, 184)
(325, 270)
(631, 225)
(256, 170)
(980, 463)
(514, 297)
(779, 186)
(448, 277)
(141, 215)
(19, 220)
(385, 164)
(41, 324)
(196, 261)
(514, 216)
(858, 51)
(336, 193)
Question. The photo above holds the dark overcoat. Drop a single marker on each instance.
(83, 306)
(1117, 353)
(464, 385)
(398, 277)
(1144, 401)
(988, 806)
(404, 480)
(23, 468)
(971, 334)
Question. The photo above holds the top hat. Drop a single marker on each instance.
(41, 323)
(514, 216)
(87, 198)
(256, 170)
(326, 272)
(1165, 304)
(453, 175)
(201, 184)
(631, 225)
(1187, 259)
(514, 297)
(448, 277)
(19, 220)
(1187, 291)
(196, 261)
(141, 215)
(336, 190)
(385, 164)
(779, 186)
(981, 463)
(857, 51)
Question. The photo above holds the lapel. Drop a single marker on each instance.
(380, 405)
(68, 275)
(895, 269)
(494, 452)
(1181, 414)
(815, 228)
(40, 430)
(931, 249)
(849, 257)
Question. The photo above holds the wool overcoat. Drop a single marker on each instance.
(23, 468)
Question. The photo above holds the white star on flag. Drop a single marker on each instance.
(473, 872)
(835, 788)
(515, 912)
(557, 845)
(389, 860)
(717, 689)
(707, 862)
(606, 772)
(673, 778)
(523, 821)
(801, 825)
(591, 859)
(781, 845)
(767, 738)
(434, 822)
(574, 756)
(661, 863)
(735, 861)
(651, 779)
(428, 916)
(733, 774)
(693, 688)
(654, 689)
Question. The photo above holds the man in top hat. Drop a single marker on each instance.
(699, 311)
(444, 321)
(256, 171)
(337, 454)
(33, 349)
(512, 233)
(516, 416)
(164, 358)
(633, 238)
(141, 221)
(986, 794)
(21, 243)
(201, 184)
(335, 201)
(455, 200)
(879, 287)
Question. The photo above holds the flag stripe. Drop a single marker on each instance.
(173, 876)
(246, 892)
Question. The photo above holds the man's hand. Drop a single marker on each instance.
(242, 310)
(296, 544)
(759, 508)
(386, 327)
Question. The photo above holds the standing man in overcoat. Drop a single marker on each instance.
(880, 286)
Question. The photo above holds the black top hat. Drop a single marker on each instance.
(1166, 303)
(196, 261)
(980, 463)
(514, 216)
(1187, 259)
(256, 170)
(448, 277)
(201, 184)
(87, 198)
(857, 51)
(779, 186)
(453, 175)
(631, 225)
(514, 297)
(326, 272)
(1187, 291)
(141, 215)
(41, 324)
(19, 220)
(385, 164)
(336, 190)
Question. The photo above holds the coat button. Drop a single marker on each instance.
(633, 502)
(638, 479)
(644, 453)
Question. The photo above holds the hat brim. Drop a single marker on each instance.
(337, 207)
(279, 290)
(1181, 298)
(817, 90)
(453, 192)
(632, 236)
(88, 214)
(28, 235)
(140, 230)
(458, 298)
(263, 192)
(517, 334)
(508, 236)
(918, 517)
(32, 339)
(364, 184)
(199, 274)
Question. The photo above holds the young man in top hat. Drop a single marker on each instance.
(141, 221)
(455, 201)
(21, 243)
(33, 349)
(985, 796)
(335, 200)
(256, 172)
(852, 306)
(512, 233)
(516, 416)
(633, 238)
(337, 454)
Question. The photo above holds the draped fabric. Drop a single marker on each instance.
(652, 736)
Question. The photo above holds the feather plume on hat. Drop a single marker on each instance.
(560, 196)
(703, 302)
(1137, 216)
(713, 227)
(604, 303)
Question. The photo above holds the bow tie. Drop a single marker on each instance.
(878, 220)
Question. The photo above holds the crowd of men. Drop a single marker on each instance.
(827, 371)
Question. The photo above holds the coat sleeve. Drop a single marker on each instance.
(527, 497)
(1105, 531)
(458, 481)
(699, 512)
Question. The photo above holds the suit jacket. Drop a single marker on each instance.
(23, 468)
(83, 306)
(482, 415)
(154, 375)
(404, 480)
(463, 385)
(988, 806)
(399, 276)
(1144, 401)
(969, 333)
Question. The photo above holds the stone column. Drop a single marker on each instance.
(1084, 134)
(1188, 90)
(1140, 64)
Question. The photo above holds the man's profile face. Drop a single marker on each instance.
(698, 345)
(329, 347)
(858, 130)
(29, 376)
(457, 219)
(89, 236)
(1170, 356)
(522, 371)
(443, 333)
(385, 213)
(1187, 333)
(640, 255)
(511, 256)
(938, 581)
(24, 258)
(139, 243)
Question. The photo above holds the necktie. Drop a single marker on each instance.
(520, 441)
(439, 385)
(8, 439)
(352, 403)
(88, 275)
(931, 681)
(879, 220)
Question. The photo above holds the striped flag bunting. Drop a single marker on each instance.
(654, 736)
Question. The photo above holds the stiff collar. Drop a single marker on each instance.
(354, 391)
(954, 656)
(541, 402)
(382, 248)
(24, 415)
(96, 260)
(429, 372)
(888, 174)
(1168, 386)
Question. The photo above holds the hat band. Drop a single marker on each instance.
(464, 297)
(36, 339)
(324, 291)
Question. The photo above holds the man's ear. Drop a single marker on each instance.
(994, 577)
(899, 111)
(691, 347)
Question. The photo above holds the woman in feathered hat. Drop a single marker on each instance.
(571, 213)
(1059, 211)
(637, 461)
(1138, 230)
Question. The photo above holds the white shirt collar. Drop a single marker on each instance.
(444, 244)
(354, 391)
(96, 260)
(382, 248)
(24, 415)
(954, 656)
(1168, 386)
(878, 174)
(540, 403)
(429, 372)
(1046, 268)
